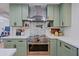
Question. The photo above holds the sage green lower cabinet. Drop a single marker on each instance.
(56, 47)
(25, 11)
(19, 44)
(69, 50)
(56, 15)
(9, 44)
(59, 48)
(78, 51)
(52, 48)
(21, 48)
(64, 49)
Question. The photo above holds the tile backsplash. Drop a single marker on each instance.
(32, 29)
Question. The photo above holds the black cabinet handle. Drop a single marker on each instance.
(8, 41)
(20, 41)
(60, 44)
(15, 23)
(67, 47)
(15, 46)
(62, 23)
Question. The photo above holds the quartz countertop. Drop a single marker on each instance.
(7, 51)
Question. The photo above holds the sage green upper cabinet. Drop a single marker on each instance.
(24, 11)
(65, 14)
(52, 47)
(15, 15)
(50, 12)
(56, 15)
(53, 13)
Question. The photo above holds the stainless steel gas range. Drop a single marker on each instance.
(38, 46)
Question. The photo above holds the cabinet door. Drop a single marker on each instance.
(65, 14)
(15, 15)
(53, 14)
(9, 44)
(56, 15)
(64, 49)
(59, 48)
(50, 12)
(21, 48)
(68, 50)
(24, 12)
(78, 51)
(53, 47)
(61, 14)
(19, 15)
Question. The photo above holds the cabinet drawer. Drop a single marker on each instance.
(68, 50)
(64, 49)
(21, 43)
(10, 40)
(68, 47)
(53, 41)
(19, 40)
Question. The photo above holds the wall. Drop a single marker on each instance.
(3, 22)
(73, 31)
(37, 30)
(4, 7)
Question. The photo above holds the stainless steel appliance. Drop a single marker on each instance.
(38, 46)
(38, 49)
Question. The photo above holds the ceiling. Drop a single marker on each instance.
(4, 10)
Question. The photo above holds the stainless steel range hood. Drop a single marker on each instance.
(38, 18)
(37, 12)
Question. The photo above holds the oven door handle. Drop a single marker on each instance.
(31, 47)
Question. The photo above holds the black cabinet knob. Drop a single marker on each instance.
(8, 41)
(15, 46)
(15, 23)
(62, 23)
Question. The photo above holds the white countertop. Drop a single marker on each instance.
(70, 40)
(13, 37)
(7, 51)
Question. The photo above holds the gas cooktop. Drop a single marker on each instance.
(38, 39)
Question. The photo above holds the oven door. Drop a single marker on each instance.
(38, 49)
